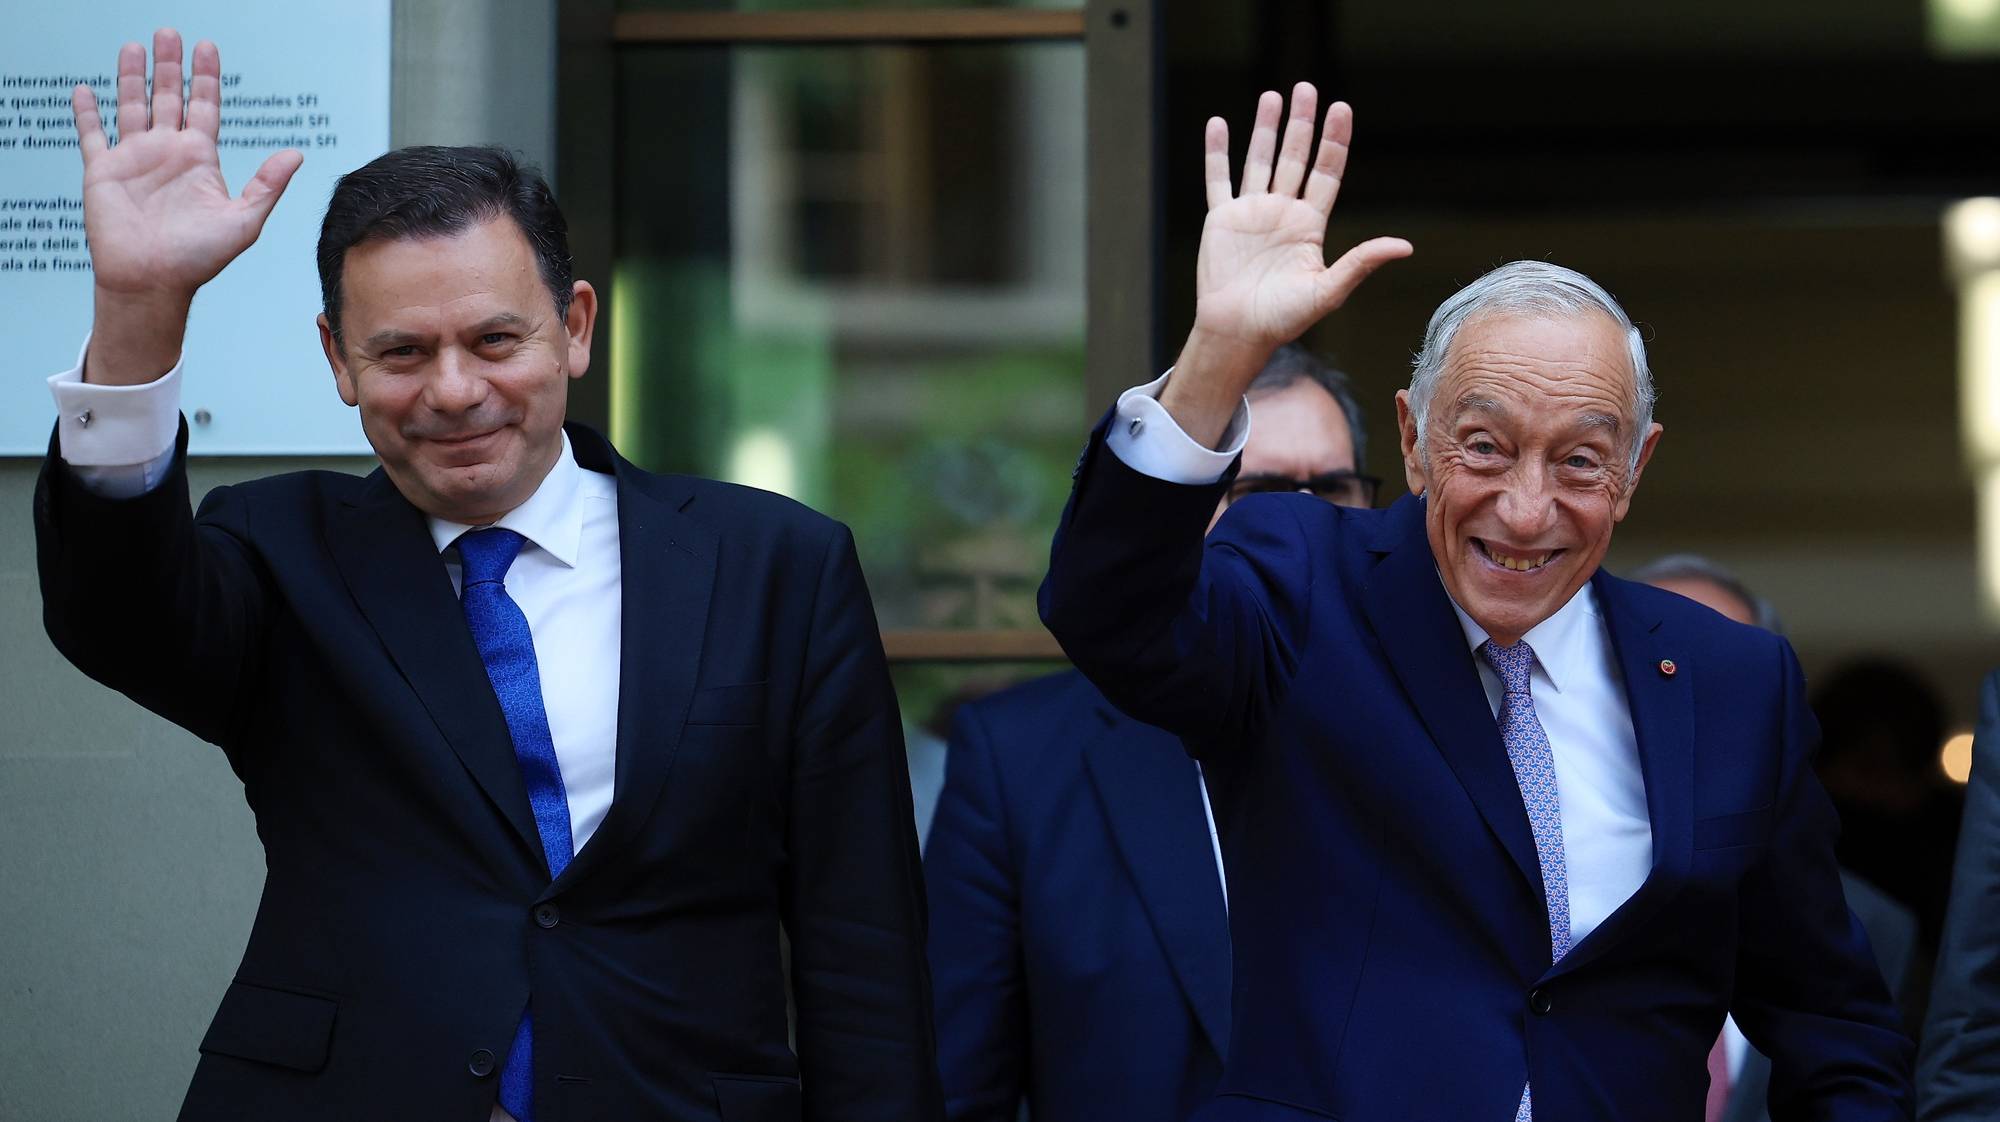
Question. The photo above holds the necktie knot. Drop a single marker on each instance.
(487, 554)
(1512, 663)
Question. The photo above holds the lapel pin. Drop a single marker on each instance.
(1667, 667)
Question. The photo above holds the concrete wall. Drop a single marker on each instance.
(131, 865)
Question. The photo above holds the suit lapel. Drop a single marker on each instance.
(667, 573)
(384, 551)
(1663, 721)
(1412, 616)
(1148, 788)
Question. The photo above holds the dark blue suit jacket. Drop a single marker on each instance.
(306, 625)
(1079, 943)
(1391, 944)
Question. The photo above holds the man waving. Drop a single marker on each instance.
(1507, 836)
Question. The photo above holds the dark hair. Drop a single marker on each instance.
(429, 191)
(1881, 709)
(1693, 566)
(1292, 363)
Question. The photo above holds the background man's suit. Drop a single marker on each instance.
(1385, 896)
(305, 623)
(1958, 1074)
(1079, 942)
(1892, 935)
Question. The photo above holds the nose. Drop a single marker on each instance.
(1527, 506)
(455, 384)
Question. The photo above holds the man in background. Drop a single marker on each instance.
(1739, 1075)
(1079, 941)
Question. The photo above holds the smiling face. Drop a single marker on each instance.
(454, 353)
(1526, 465)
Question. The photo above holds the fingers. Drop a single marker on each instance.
(1341, 278)
(261, 193)
(167, 78)
(1215, 161)
(131, 90)
(1263, 145)
(1297, 146)
(204, 107)
(1323, 185)
(89, 126)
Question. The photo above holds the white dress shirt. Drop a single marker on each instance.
(568, 579)
(1578, 690)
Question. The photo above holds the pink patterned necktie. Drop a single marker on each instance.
(1535, 772)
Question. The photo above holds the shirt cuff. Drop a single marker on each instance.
(118, 441)
(1149, 441)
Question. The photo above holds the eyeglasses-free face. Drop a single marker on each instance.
(1341, 488)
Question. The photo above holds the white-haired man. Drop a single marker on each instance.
(1507, 836)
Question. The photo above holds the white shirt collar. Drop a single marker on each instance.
(1562, 642)
(551, 518)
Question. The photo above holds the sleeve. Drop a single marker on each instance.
(161, 604)
(854, 896)
(975, 941)
(1151, 442)
(1198, 637)
(1809, 994)
(1958, 1072)
(117, 440)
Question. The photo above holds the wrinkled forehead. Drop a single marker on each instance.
(1576, 366)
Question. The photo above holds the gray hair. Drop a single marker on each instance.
(1292, 363)
(1693, 566)
(1534, 288)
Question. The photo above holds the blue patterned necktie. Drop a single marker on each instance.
(506, 646)
(1535, 772)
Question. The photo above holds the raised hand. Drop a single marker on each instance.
(1261, 278)
(160, 218)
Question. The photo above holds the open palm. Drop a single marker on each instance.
(1262, 276)
(159, 216)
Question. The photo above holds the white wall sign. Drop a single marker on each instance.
(307, 75)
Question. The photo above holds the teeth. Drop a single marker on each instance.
(1519, 564)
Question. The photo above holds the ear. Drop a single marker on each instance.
(581, 322)
(343, 380)
(1624, 502)
(1414, 473)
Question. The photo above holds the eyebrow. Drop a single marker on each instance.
(1473, 402)
(502, 319)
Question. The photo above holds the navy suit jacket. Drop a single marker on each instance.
(1892, 932)
(1391, 940)
(306, 625)
(1079, 943)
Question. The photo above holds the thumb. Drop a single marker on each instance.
(261, 193)
(1339, 280)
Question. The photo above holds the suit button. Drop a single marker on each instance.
(547, 915)
(481, 1063)
(1539, 1001)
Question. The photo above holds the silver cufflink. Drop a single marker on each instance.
(1137, 424)
(83, 418)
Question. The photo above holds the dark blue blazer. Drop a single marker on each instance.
(1391, 942)
(1079, 943)
(306, 625)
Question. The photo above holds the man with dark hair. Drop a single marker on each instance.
(1079, 938)
(545, 751)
